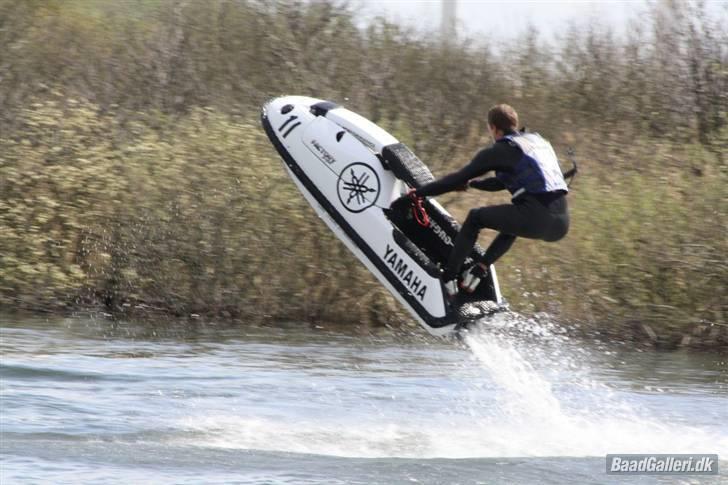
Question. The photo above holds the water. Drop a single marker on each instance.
(86, 401)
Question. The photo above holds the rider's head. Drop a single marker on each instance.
(502, 120)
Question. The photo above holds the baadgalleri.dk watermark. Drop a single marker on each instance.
(662, 464)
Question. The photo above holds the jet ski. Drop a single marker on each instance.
(351, 171)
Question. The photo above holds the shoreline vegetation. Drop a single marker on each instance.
(135, 176)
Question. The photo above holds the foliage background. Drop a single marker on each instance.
(134, 174)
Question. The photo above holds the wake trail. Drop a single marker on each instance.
(519, 388)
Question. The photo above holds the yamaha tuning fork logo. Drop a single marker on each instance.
(358, 187)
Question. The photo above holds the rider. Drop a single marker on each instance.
(526, 165)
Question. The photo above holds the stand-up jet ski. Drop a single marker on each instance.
(350, 171)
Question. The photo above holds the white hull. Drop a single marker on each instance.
(334, 157)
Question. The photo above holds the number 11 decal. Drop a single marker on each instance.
(292, 127)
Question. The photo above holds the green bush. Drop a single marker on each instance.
(134, 173)
(188, 217)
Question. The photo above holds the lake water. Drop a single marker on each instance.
(91, 401)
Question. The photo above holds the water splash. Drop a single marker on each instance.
(576, 415)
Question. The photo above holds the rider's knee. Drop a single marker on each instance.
(472, 217)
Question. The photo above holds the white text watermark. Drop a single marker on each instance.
(681, 464)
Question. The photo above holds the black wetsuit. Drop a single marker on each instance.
(534, 216)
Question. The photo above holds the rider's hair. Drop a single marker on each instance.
(503, 117)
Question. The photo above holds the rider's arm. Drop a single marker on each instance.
(500, 156)
(490, 184)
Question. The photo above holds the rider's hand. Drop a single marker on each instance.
(406, 198)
